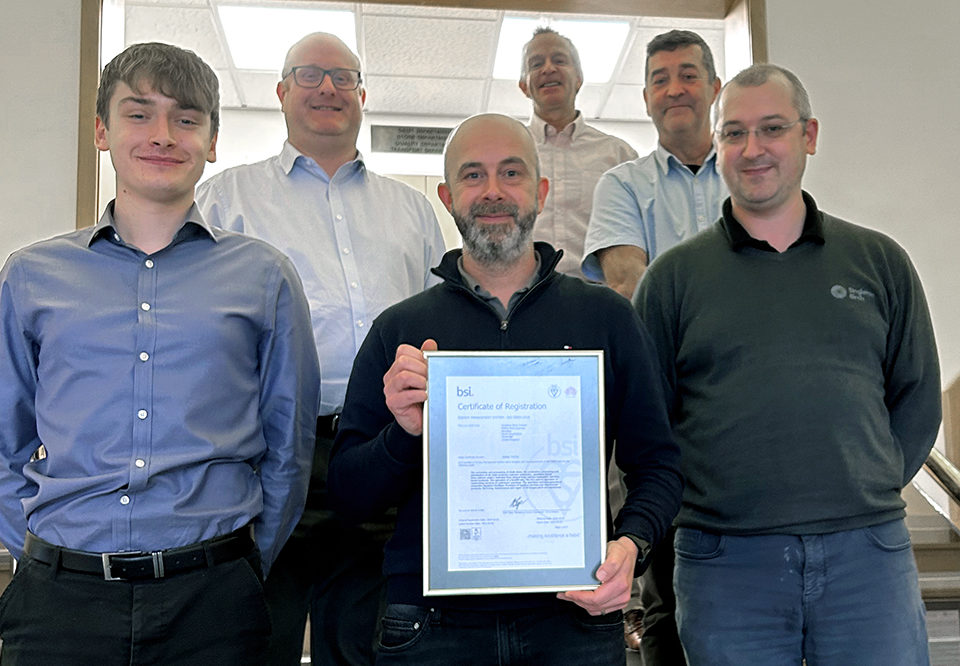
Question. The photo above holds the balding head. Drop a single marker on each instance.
(315, 40)
(488, 127)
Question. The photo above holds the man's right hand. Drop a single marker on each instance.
(405, 386)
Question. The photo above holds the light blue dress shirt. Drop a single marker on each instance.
(174, 394)
(361, 242)
(653, 203)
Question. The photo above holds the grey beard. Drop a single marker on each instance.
(495, 245)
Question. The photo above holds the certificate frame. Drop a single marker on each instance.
(564, 380)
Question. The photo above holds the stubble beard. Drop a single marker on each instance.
(495, 245)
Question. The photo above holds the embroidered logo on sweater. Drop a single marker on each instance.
(839, 292)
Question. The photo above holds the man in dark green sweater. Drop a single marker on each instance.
(805, 393)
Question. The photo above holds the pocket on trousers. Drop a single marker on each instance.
(402, 625)
(696, 544)
(606, 622)
(891, 536)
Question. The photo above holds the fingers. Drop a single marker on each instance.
(616, 576)
(405, 386)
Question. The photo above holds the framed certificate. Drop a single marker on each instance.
(514, 483)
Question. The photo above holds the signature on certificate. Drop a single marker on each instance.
(517, 501)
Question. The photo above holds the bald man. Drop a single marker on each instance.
(501, 281)
(360, 242)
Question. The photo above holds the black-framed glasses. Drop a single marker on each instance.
(308, 76)
(736, 136)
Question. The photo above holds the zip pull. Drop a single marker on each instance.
(503, 324)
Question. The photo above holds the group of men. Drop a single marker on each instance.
(164, 418)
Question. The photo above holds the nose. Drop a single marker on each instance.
(753, 146)
(326, 83)
(161, 132)
(493, 191)
(674, 88)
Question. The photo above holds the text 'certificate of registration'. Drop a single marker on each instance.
(514, 489)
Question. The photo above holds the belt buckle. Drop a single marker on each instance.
(156, 556)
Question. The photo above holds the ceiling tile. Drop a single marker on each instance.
(457, 98)
(429, 47)
(626, 103)
(259, 89)
(186, 27)
(505, 97)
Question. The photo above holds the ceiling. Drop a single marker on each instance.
(421, 61)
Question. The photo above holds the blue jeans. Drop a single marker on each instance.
(833, 599)
(555, 635)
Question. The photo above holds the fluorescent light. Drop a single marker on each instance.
(599, 44)
(259, 37)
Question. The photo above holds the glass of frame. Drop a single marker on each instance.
(514, 484)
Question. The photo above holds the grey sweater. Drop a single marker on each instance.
(804, 385)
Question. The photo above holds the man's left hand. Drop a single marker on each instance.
(616, 578)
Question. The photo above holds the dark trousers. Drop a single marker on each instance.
(660, 645)
(334, 572)
(210, 616)
(557, 635)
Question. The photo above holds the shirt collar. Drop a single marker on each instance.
(193, 225)
(475, 287)
(666, 159)
(738, 236)
(541, 129)
(290, 157)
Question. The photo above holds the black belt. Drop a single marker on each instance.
(327, 425)
(141, 565)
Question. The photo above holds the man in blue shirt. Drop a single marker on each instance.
(158, 386)
(361, 242)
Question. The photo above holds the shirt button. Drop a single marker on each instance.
(144, 356)
(148, 263)
(124, 499)
(359, 323)
(346, 250)
(116, 237)
(142, 414)
(139, 462)
(144, 306)
(353, 284)
(339, 217)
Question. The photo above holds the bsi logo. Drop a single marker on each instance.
(464, 391)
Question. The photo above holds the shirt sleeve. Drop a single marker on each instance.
(18, 419)
(433, 241)
(289, 403)
(912, 372)
(615, 219)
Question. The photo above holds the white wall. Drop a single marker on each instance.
(39, 68)
(883, 79)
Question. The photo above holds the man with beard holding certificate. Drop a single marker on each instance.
(501, 292)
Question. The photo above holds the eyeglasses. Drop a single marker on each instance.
(308, 76)
(765, 133)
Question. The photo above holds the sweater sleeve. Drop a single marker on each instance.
(646, 450)
(375, 464)
(911, 370)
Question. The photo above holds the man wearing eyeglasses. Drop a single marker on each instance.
(573, 154)
(641, 209)
(360, 242)
(805, 390)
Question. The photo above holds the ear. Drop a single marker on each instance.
(810, 136)
(542, 188)
(646, 102)
(579, 82)
(443, 191)
(281, 91)
(716, 89)
(524, 88)
(212, 153)
(100, 138)
(363, 97)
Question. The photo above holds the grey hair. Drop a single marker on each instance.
(545, 30)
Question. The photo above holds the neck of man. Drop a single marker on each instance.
(329, 152)
(557, 118)
(502, 280)
(149, 225)
(689, 148)
(780, 226)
